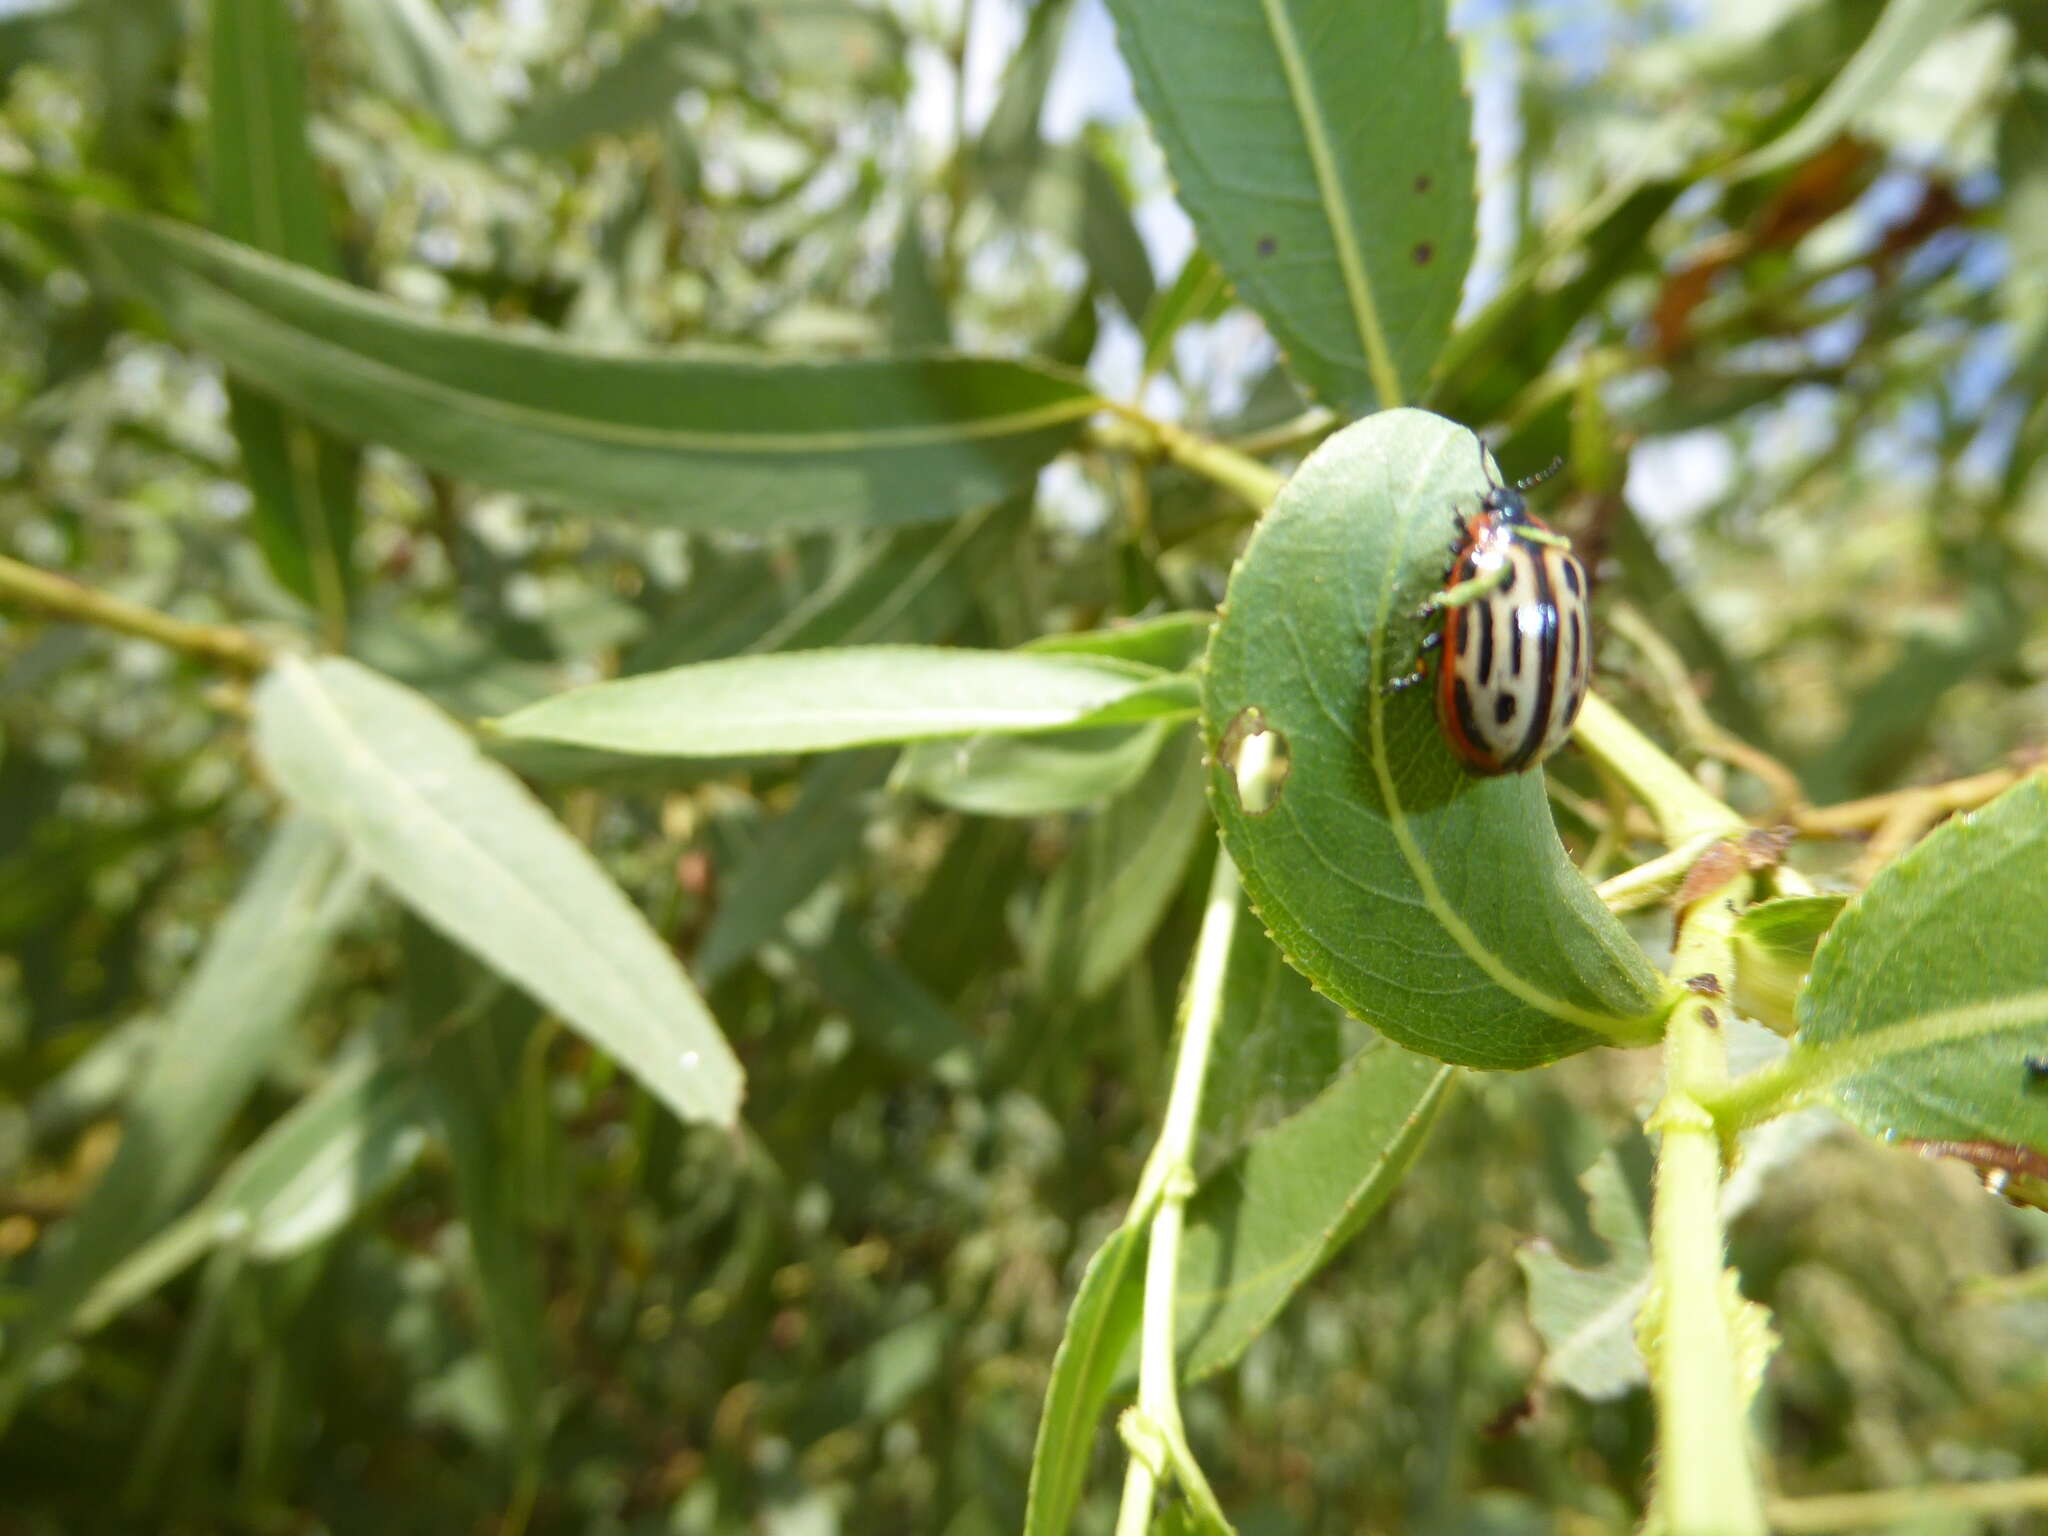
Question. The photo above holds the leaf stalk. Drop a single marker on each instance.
(63, 598)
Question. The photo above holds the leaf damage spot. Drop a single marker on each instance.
(1268, 245)
(1423, 183)
(1257, 758)
(1707, 984)
(1424, 254)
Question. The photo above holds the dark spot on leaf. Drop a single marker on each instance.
(1424, 254)
(1268, 245)
(1256, 758)
(1707, 984)
(1710, 1018)
(1423, 183)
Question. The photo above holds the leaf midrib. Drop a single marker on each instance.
(1386, 378)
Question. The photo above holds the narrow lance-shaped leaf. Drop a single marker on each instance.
(1901, 34)
(1258, 1227)
(471, 851)
(1030, 775)
(469, 1083)
(1437, 907)
(822, 701)
(266, 193)
(228, 1018)
(671, 439)
(1100, 1326)
(296, 1185)
(795, 854)
(1117, 880)
(1324, 151)
(1289, 1201)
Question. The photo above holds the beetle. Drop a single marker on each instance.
(1516, 634)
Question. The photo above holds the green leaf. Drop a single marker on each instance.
(1901, 34)
(1928, 998)
(1587, 1317)
(889, 1008)
(415, 57)
(1324, 152)
(1774, 944)
(2023, 168)
(1288, 1202)
(266, 193)
(822, 701)
(1100, 1327)
(467, 847)
(471, 1086)
(668, 439)
(298, 1183)
(1437, 907)
(1118, 878)
(337, 1149)
(1171, 641)
(692, 48)
(912, 584)
(227, 1020)
(798, 851)
(1030, 775)
(1278, 1044)
(1201, 292)
(1010, 137)
(917, 309)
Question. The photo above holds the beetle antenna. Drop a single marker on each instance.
(1541, 475)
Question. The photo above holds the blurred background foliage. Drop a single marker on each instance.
(1806, 413)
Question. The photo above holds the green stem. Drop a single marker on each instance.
(1647, 884)
(1707, 1483)
(1163, 1192)
(1254, 483)
(1762, 1095)
(1682, 810)
(64, 598)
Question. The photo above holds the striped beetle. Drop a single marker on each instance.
(1516, 635)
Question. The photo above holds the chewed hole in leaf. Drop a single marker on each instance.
(1257, 759)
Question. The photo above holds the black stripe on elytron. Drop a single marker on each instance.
(1510, 601)
(1538, 727)
(1468, 723)
(1482, 612)
(1573, 657)
(1574, 576)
